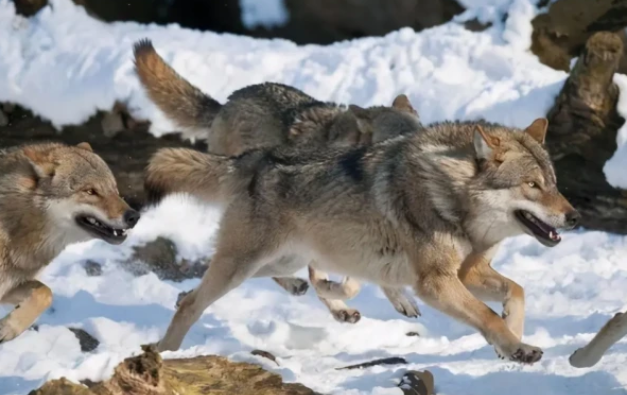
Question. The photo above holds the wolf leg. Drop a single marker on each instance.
(403, 302)
(614, 330)
(489, 285)
(338, 292)
(242, 250)
(293, 285)
(31, 299)
(448, 294)
(328, 289)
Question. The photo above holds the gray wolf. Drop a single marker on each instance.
(270, 115)
(51, 195)
(589, 355)
(426, 210)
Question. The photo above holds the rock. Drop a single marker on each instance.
(561, 33)
(160, 257)
(93, 269)
(88, 342)
(148, 374)
(4, 119)
(383, 361)
(8, 108)
(417, 383)
(416, 334)
(583, 124)
(310, 21)
(61, 386)
(265, 354)
(29, 8)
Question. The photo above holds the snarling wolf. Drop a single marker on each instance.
(270, 115)
(426, 210)
(51, 195)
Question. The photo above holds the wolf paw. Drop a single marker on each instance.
(8, 331)
(298, 287)
(522, 353)
(407, 307)
(581, 359)
(180, 297)
(350, 316)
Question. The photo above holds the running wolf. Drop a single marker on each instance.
(269, 115)
(426, 210)
(51, 195)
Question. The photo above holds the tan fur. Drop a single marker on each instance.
(613, 331)
(426, 211)
(45, 191)
(261, 116)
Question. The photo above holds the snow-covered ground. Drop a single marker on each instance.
(65, 66)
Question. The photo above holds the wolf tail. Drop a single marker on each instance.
(182, 170)
(182, 102)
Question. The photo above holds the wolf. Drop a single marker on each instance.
(426, 210)
(613, 331)
(51, 195)
(270, 115)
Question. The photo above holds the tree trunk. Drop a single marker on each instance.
(582, 135)
(148, 374)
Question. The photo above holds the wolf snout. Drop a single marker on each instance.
(131, 217)
(572, 219)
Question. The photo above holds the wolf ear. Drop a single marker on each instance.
(484, 144)
(85, 145)
(40, 162)
(362, 117)
(537, 129)
(402, 103)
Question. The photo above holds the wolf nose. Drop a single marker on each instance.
(131, 217)
(572, 219)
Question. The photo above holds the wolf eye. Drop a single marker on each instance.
(90, 191)
(532, 184)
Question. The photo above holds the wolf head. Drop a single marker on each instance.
(78, 193)
(375, 124)
(515, 188)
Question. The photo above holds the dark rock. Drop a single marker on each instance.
(310, 21)
(29, 8)
(560, 34)
(377, 362)
(265, 354)
(583, 125)
(417, 383)
(88, 342)
(93, 269)
(160, 257)
(416, 334)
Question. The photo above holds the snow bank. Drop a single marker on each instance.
(615, 168)
(65, 66)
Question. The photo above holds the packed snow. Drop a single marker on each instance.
(65, 66)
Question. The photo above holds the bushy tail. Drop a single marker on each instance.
(182, 103)
(182, 170)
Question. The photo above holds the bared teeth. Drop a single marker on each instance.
(554, 236)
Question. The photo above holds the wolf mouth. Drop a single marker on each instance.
(543, 232)
(101, 230)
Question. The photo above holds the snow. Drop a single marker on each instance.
(65, 66)
(266, 13)
(614, 168)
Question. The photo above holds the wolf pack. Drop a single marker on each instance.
(370, 194)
